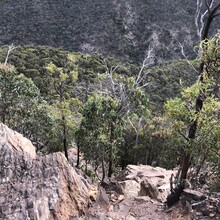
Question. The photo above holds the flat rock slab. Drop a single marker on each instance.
(193, 194)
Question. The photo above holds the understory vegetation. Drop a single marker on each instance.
(114, 112)
(118, 113)
(58, 89)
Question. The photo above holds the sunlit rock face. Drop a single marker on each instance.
(34, 187)
(12, 141)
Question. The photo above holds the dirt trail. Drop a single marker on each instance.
(142, 208)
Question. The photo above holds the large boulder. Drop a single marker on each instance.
(148, 189)
(34, 187)
(144, 180)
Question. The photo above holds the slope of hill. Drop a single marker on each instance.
(163, 82)
(123, 29)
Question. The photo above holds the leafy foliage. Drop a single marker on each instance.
(116, 119)
(15, 92)
(32, 62)
(182, 111)
(101, 131)
(22, 108)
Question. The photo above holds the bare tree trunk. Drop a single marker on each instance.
(103, 171)
(185, 167)
(3, 117)
(10, 49)
(110, 165)
(86, 166)
(78, 156)
(64, 137)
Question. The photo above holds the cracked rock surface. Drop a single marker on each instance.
(34, 187)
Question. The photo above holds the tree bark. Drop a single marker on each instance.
(103, 171)
(110, 164)
(64, 137)
(78, 156)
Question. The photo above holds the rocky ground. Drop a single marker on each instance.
(49, 188)
(140, 194)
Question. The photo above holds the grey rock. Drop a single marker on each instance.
(102, 198)
(113, 186)
(41, 188)
(193, 194)
(148, 189)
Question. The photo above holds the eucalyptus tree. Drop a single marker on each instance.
(127, 103)
(101, 132)
(23, 109)
(63, 81)
(197, 111)
(207, 11)
(17, 93)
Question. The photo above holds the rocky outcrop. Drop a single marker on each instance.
(148, 189)
(34, 187)
(202, 204)
(48, 188)
(137, 208)
(137, 194)
(15, 142)
(144, 180)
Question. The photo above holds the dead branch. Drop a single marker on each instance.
(10, 49)
(186, 58)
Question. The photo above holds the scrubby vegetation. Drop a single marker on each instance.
(116, 112)
(55, 97)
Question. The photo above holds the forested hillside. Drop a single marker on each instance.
(122, 29)
(118, 82)
(88, 71)
(163, 82)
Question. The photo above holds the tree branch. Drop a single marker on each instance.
(10, 49)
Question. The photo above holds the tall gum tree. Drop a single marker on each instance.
(129, 98)
(63, 82)
(203, 23)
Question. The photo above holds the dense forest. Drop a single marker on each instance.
(118, 112)
(120, 29)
